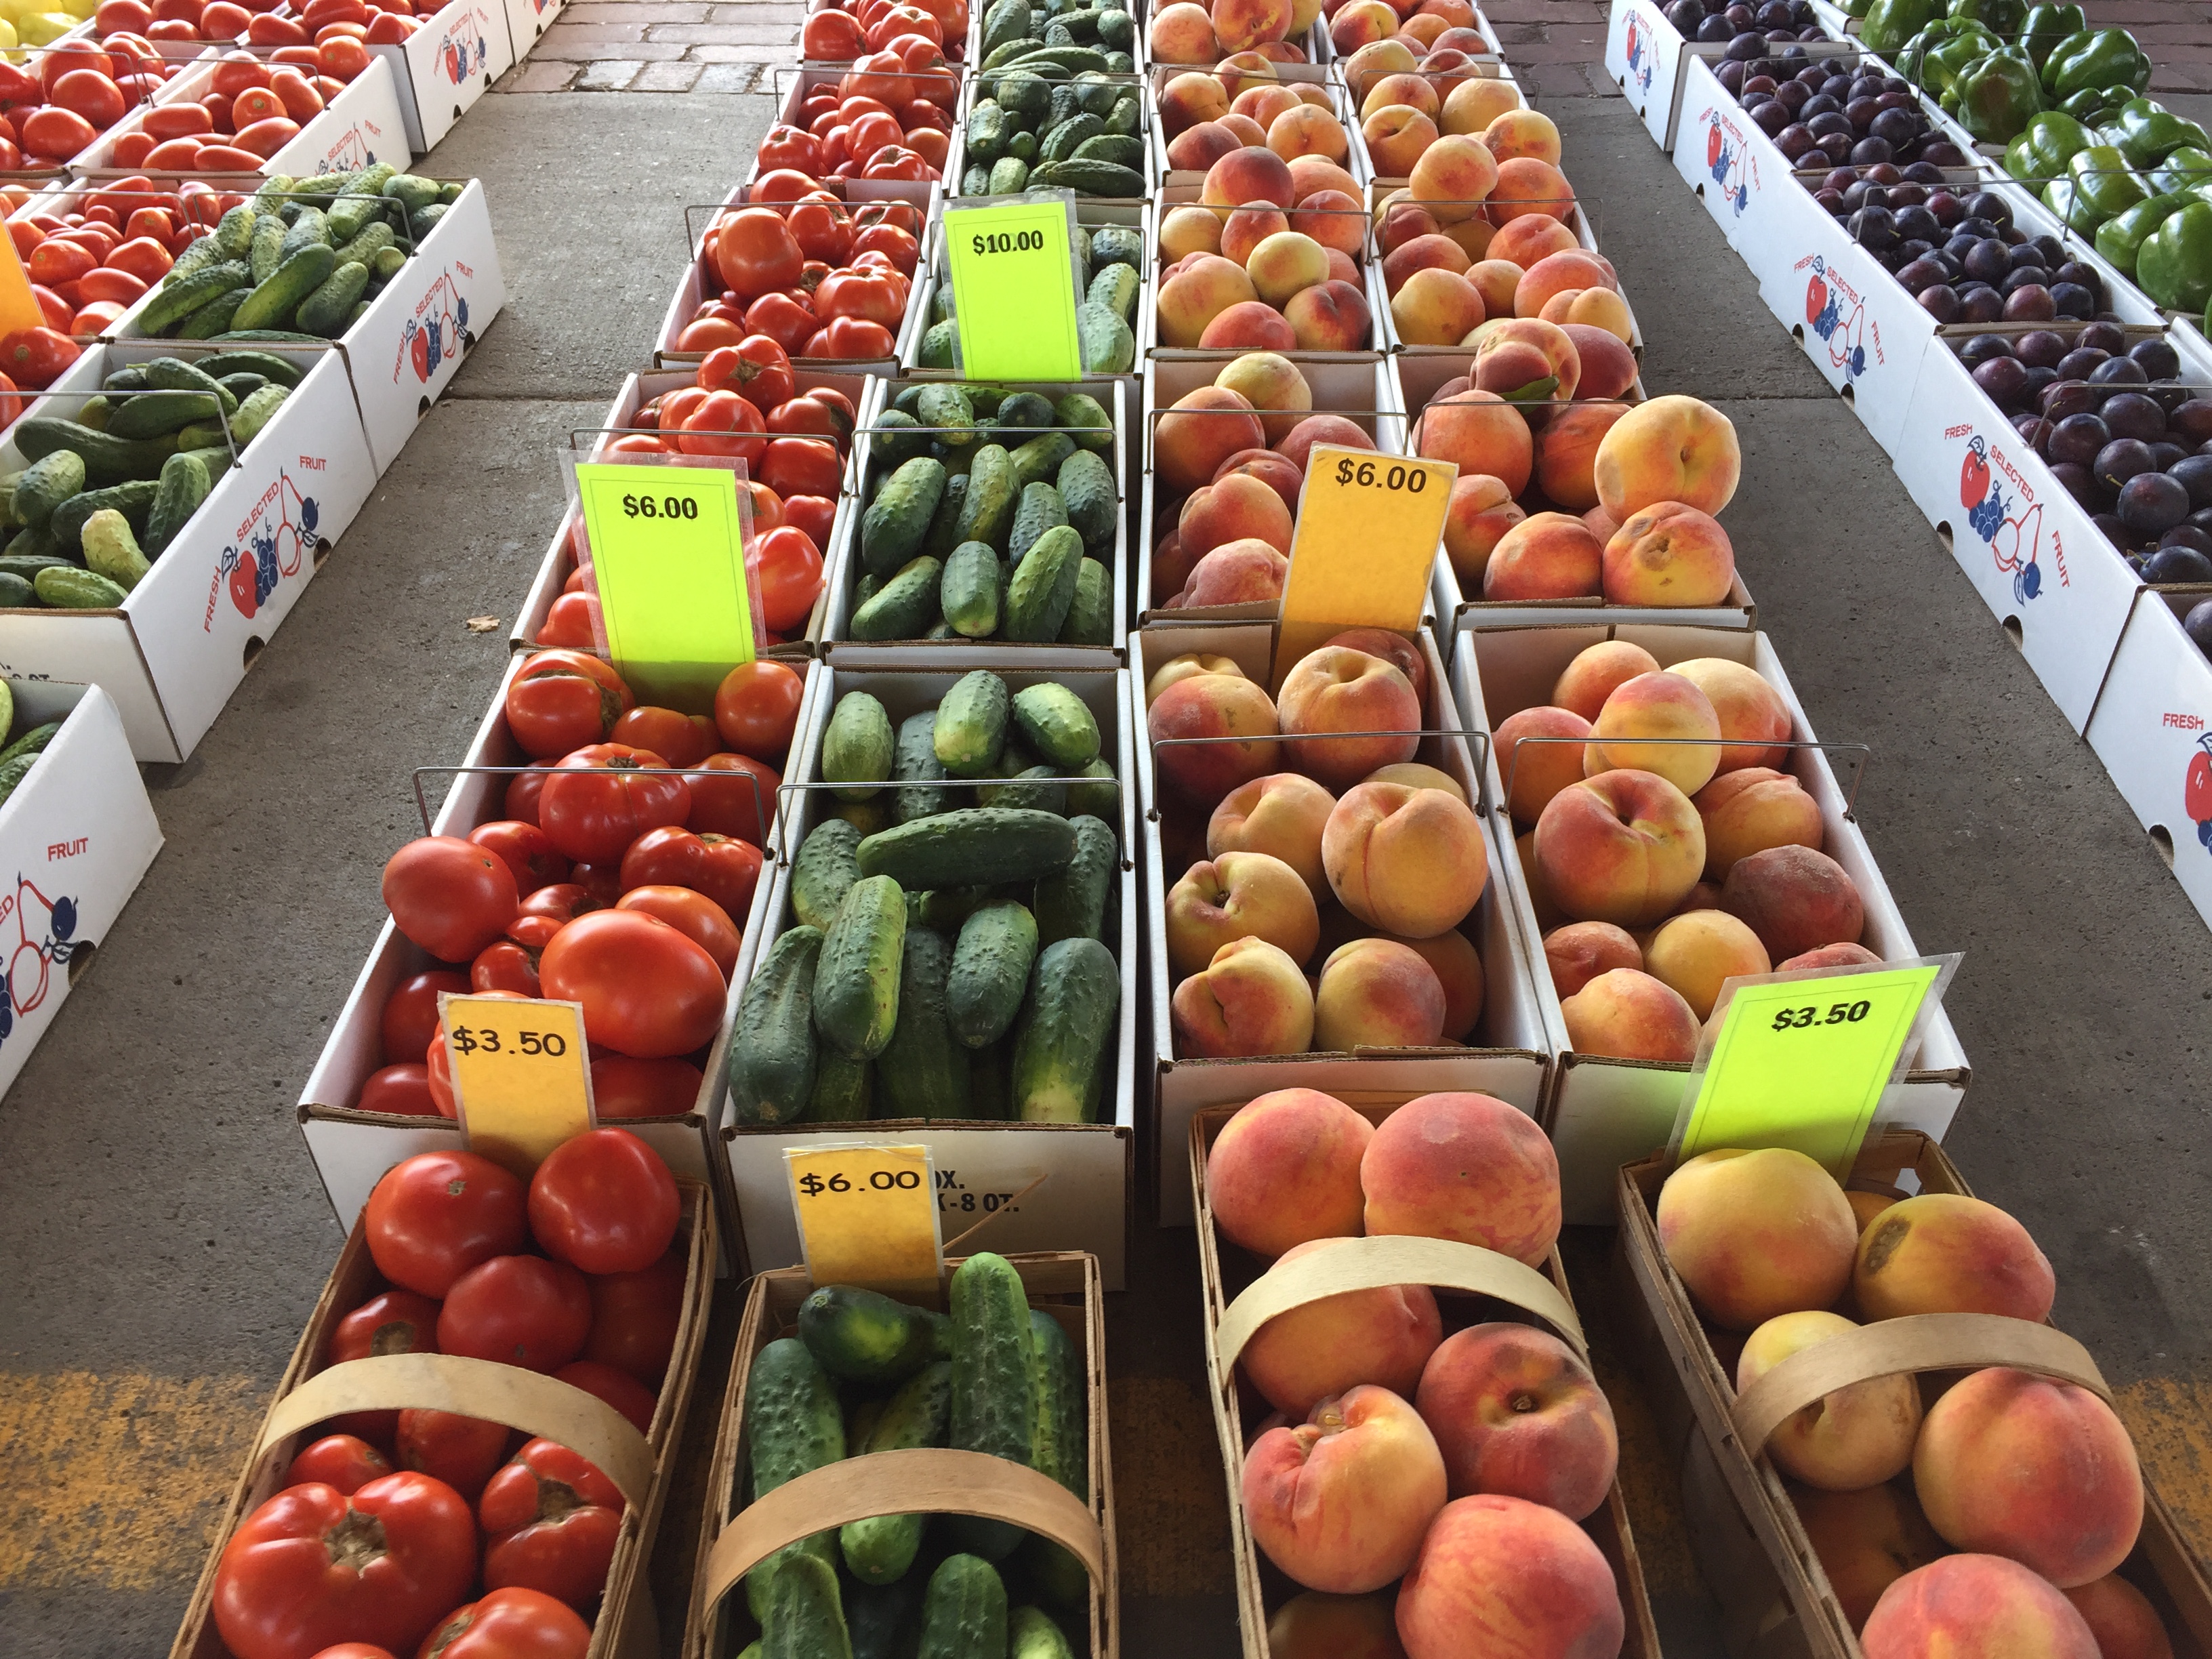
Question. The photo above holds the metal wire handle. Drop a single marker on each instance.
(422, 808)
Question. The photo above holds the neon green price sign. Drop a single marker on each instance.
(1013, 290)
(668, 554)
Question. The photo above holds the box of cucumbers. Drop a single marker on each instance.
(1114, 320)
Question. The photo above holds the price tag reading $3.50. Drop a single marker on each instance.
(522, 1077)
(867, 1215)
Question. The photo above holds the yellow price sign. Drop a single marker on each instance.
(1365, 542)
(522, 1075)
(1802, 1061)
(668, 558)
(867, 1214)
(1012, 270)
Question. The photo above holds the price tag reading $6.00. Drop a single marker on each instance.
(867, 1214)
(1363, 546)
(522, 1077)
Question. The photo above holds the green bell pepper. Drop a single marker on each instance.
(2044, 27)
(1999, 96)
(2001, 17)
(2052, 140)
(2174, 264)
(2109, 59)
(2092, 106)
(2103, 186)
(2186, 167)
(2149, 133)
(1889, 24)
(2120, 239)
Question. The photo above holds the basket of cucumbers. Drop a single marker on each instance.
(889, 1479)
(990, 513)
(1113, 321)
(1056, 118)
(300, 261)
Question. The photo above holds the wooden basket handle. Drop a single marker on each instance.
(926, 1481)
(1368, 1264)
(1915, 1342)
(529, 1400)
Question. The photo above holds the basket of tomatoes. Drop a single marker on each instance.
(846, 30)
(856, 143)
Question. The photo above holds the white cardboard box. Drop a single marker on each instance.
(360, 126)
(1158, 76)
(1648, 58)
(526, 19)
(77, 836)
(172, 654)
(441, 70)
(2150, 730)
(1603, 1112)
(1167, 197)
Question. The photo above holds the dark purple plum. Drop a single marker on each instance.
(1770, 118)
(1873, 228)
(2194, 474)
(1792, 95)
(1981, 304)
(1745, 47)
(2029, 304)
(2063, 397)
(1941, 302)
(1942, 152)
(2159, 360)
(1986, 261)
(2078, 438)
(2004, 381)
(2177, 567)
(2187, 535)
(1914, 222)
(2053, 252)
(2034, 431)
(1729, 75)
(2023, 277)
(1795, 142)
(2131, 414)
(1821, 104)
(2151, 503)
(2080, 363)
(1907, 194)
(2040, 348)
(1920, 172)
(2073, 479)
(1920, 276)
(2118, 371)
(2106, 337)
(1715, 30)
(1988, 205)
(2120, 460)
(1685, 16)
(2167, 456)
(1860, 112)
(1983, 348)
(2073, 301)
(2118, 534)
(2197, 624)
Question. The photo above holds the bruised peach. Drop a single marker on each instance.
(1796, 899)
(1947, 1253)
(1666, 554)
(1341, 1502)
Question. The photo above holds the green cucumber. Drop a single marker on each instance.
(1057, 724)
(1030, 1632)
(1090, 613)
(67, 588)
(111, 550)
(1084, 418)
(970, 728)
(879, 1550)
(950, 849)
(993, 1393)
(772, 1063)
(841, 1089)
(17, 593)
(916, 767)
(1033, 788)
(856, 982)
(1043, 591)
(184, 484)
(1094, 506)
(924, 1072)
(824, 868)
(856, 746)
(968, 593)
(990, 973)
(1073, 904)
(325, 311)
(904, 608)
(1041, 458)
(1040, 510)
(865, 1336)
(152, 414)
(803, 1617)
(175, 374)
(45, 485)
(1065, 1033)
(896, 522)
(300, 272)
(987, 514)
(963, 1611)
(176, 301)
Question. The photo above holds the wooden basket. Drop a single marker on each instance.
(310, 1392)
(1376, 1261)
(1776, 1601)
(737, 1536)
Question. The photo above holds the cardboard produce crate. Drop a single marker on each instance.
(2149, 729)
(1242, 1293)
(528, 20)
(1649, 59)
(1091, 213)
(982, 1166)
(1367, 261)
(1604, 1112)
(1312, 73)
(794, 82)
(441, 70)
(1777, 1600)
(737, 1535)
(643, 1466)
(1510, 1057)
(360, 126)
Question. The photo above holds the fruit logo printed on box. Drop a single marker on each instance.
(21, 992)
(2197, 790)
(268, 549)
(2014, 537)
(464, 54)
(1638, 49)
(1729, 154)
(354, 149)
(1826, 295)
(431, 340)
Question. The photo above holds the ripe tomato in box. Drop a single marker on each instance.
(561, 701)
(605, 1202)
(617, 1389)
(550, 1520)
(401, 1089)
(787, 146)
(851, 339)
(92, 95)
(767, 506)
(433, 1216)
(517, 1309)
(756, 708)
(449, 896)
(678, 738)
(625, 1087)
(647, 989)
(503, 965)
(635, 1315)
(603, 796)
(698, 918)
(724, 424)
(756, 368)
(755, 253)
(410, 1012)
(788, 568)
(461, 1451)
(55, 134)
(735, 799)
(509, 1622)
(391, 1322)
(815, 514)
(723, 867)
(801, 466)
(528, 854)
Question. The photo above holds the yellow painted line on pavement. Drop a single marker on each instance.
(1170, 1501)
(2171, 1419)
(116, 1481)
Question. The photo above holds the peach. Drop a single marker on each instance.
(1566, 456)
(1452, 177)
(1308, 130)
(1282, 815)
(1401, 221)
(1206, 286)
(1204, 428)
(1270, 468)
(1297, 446)
(1481, 511)
(1503, 1575)
(1866, 1206)
(1496, 281)
(1374, 61)
(1249, 227)
(1285, 263)
(1396, 649)
(1750, 810)
(1170, 570)
(1187, 230)
(1246, 572)
(1666, 554)
(1435, 306)
(1457, 13)
(1518, 351)
(1451, 955)
(1946, 1253)
(2016, 1465)
(1332, 219)
(1548, 914)
(1656, 706)
(1311, 172)
(1472, 105)
(1254, 174)
(1753, 716)
(1251, 999)
(1600, 525)
(1268, 381)
(1527, 186)
(1422, 254)
(1464, 1166)
(1598, 308)
(1856, 1437)
(1238, 896)
(2121, 1618)
(1398, 136)
(1547, 556)
(1286, 1170)
(1534, 776)
(1609, 367)
(1570, 271)
(1695, 951)
(1181, 33)
(1341, 1502)
(1524, 242)
(1303, 16)
(1234, 508)
(1796, 899)
(1473, 234)
(1624, 1013)
(1377, 994)
(1360, 23)
(1253, 63)
(1867, 1540)
(1330, 317)
(1343, 268)
(1579, 952)
(1975, 1607)
(1625, 846)
(1249, 325)
(1195, 150)
(1263, 101)
(1382, 1336)
(1312, 1626)
(1247, 132)
(1523, 132)
(1517, 1414)
(1597, 672)
(1211, 706)
(1752, 1234)
(1189, 666)
(1409, 861)
(1407, 88)
(1188, 99)
(1336, 690)
(1670, 449)
(1479, 431)
(1831, 955)
(1414, 775)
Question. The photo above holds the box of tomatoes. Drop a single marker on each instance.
(357, 126)
(442, 1491)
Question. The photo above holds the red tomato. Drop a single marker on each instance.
(802, 466)
(91, 95)
(451, 896)
(560, 904)
(647, 989)
(461, 1451)
(172, 155)
(436, 1215)
(831, 37)
(526, 851)
(388, 28)
(312, 1566)
(754, 251)
(517, 1309)
(106, 287)
(602, 882)
(343, 1461)
(766, 506)
(300, 101)
(187, 120)
(789, 571)
(605, 1202)
(702, 920)
(821, 229)
(708, 333)
(574, 621)
(509, 1623)
(341, 57)
(402, 1089)
(680, 739)
(932, 145)
(623, 1087)
(142, 257)
(265, 138)
(851, 339)
(804, 418)
(606, 795)
(36, 356)
(549, 1519)
(617, 1389)
(756, 368)
(67, 55)
(724, 424)
(872, 133)
(737, 801)
(222, 21)
(787, 146)
(59, 259)
(391, 1322)
(723, 868)
(900, 246)
(356, 1651)
(784, 318)
(815, 514)
(756, 708)
(503, 965)
(126, 16)
(635, 1316)
(255, 104)
(562, 700)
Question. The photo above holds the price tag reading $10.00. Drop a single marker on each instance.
(867, 1215)
(522, 1075)
(1013, 290)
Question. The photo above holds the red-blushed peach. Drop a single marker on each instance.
(1609, 367)
(1557, 273)
(1203, 428)
(1600, 525)
(1374, 61)
(1332, 219)
(1478, 432)
(1381, 1337)
(1195, 150)
(1171, 569)
(1285, 263)
(1336, 691)
(1579, 952)
(1253, 64)
(1254, 174)
(1188, 100)
(1238, 896)
(1309, 173)
(1549, 916)
(1403, 222)
(1309, 130)
(1272, 383)
(1212, 706)
(1946, 1253)
(1464, 1166)
(1796, 899)
(1670, 449)
(1189, 666)
(2121, 1619)
(1451, 955)
(1481, 511)
(1409, 861)
(1360, 23)
(1251, 999)
(1248, 133)
(1518, 351)
(1547, 556)
(1331, 316)
(1434, 305)
(1261, 101)
(1525, 187)
(1500, 1577)
(1526, 240)
(1523, 132)
(1286, 1170)
(2016, 1465)
(1404, 87)
(1473, 104)
(1247, 571)
(1831, 955)
(1596, 311)
(1695, 951)
(1975, 1607)
(1270, 468)
(1752, 1234)
(1297, 444)
(1625, 846)
(1566, 457)
(1396, 136)
(1495, 280)
(1282, 814)
(1341, 1502)
(1517, 1414)
(1859, 1436)
(1187, 230)
(1473, 236)
(1533, 775)
(1414, 775)
(1207, 285)
(1312, 1626)
(1667, 554)
(1181, 33)
(1249, 226)
(1656, 706)
(1750, 810)
(1231, 510)
(1753, 716)
(1624, 1013)
(1420, 254)
(1249, 325)
(1377, 994)
(1867, 1540)
(1452, 177)
(1597, 672)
